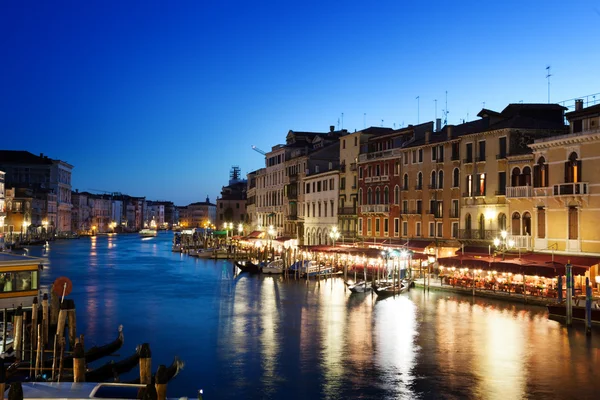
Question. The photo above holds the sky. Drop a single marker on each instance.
(161, 98)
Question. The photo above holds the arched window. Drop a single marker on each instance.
(360, 197)
(456, 177)
(468, 226)
(405, 182)
(502, 221)
(481, 226)
(540, 173)
(419, 180)
(526, 177)
(369, 196)
(433, 179)
(441, 180)
(516, 172)
(573, 169)
(526, 224)
(516, 224)
(397, 194)
(377, 196)
(386, 195)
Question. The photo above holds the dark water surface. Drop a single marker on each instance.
(265, 338)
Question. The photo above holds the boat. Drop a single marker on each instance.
(148, 233)
(171, 372)
(387, 289)
(248, 266)
(559, 310)
(112, 369)
(83, 390)
(274, 267)
(360, 287)
(310, 268)
(6, 347)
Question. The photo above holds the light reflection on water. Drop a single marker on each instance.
(265, 337)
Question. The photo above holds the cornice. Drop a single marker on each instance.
(566, 140)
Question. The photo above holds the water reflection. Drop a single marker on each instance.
(333, 327)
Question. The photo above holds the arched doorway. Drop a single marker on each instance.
(481, 226)
(516, 224)
(526, 224)
(468, 226)
(502, 221)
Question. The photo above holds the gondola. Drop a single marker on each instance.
(248, 266)
(360, 287)
(172, 371)
(96, 352)
(111, 370)
(384, 291)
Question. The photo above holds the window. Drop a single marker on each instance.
(396, 194)
(419, 206)
(455, 209)
(360, 173)
(221, 205)
(343, 183)
(369, 196)
(404, 228)
(404, 206)
(468, 226)
(343, 144)
(18, 281)
(502, 222)
(481, 187)
(414, 156)
(319, 186)
(501, 183)
(440, 153)
(439, 229)
(469, 185)
(440, 180)
(377, 196)
(360, 197)
(516, 224)
(541, 223)
(385, 227)
(319, 209)
(469, 153)
(433, 153)
(455, 230)
(455, 178)
(396, 227)
(455, 151)
(355, 141)
(433, 179)
(377, 222)
(406, 158)
(325, 185)
(369, 226)
(386, 195)
(418, 229)
(481, 151)
(419, 181)
(573, 169)
(502, 147)
(420, 155)
(431, 229)
(405, 182)
(360, 226)
(540, 173)
(377, 170)
(526, 224)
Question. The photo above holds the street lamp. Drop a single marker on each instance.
(502, 244)
(240, 229)
(334, 234)
(25, 225)
(45, 225)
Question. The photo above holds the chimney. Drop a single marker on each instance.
(331, 128)
(41, 155)
(449, 130)
(427, 136)
(578, 104)
(438, 124)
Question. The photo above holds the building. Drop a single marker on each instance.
(270, 209)
(154, 215)
(198, 215)
(231, 206)
(251, 214)
(26, 170)
(2, 209)
(320, 206)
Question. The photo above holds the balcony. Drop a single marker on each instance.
(385, 178)
(519, 191)
(566, 189)
(368, 179)
(455, 157)
(353, 166)
(468, 160)
(347, 211)
(521, 241)
(478, 234)
(375, 209)
(375, 179)
(392, 153)
(480, 159)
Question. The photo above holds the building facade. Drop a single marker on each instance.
(320, 206)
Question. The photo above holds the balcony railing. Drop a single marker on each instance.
(375, 178)
(455, 157)
(521, 241)
(480, 159)
(375, 208)
(347, 211)
(478, 234)
(385, 178)
(519, 191)
(419, 187)
(380, 154)
(353, 166)
(564, 189)
(368, 179)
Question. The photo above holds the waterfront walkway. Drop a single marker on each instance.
(435, 284)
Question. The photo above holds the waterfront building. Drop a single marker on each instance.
(269, 191)
(116, 212)
(350, 146)
(494, 156)
(154, 215)
(171, 213)
(100, 212)
(202, 214)
(2, 209)
(231, 206)
(81, 220)
(251, 214)
(320, 204)
(24, 169)
(134, 212)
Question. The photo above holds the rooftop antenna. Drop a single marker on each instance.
(418, 100)
(342, 121)
(435, 101)
(364, 120)
(483, 104)
(382, 123)
(446, 112)
(548, 75)
(338, 128)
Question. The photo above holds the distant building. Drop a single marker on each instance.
(231, 206)
(198, 215)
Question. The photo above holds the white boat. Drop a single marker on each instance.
(274, 267)
(83, 390)
(148, 233)
(311, 268)
(360, 287)
(6, 347)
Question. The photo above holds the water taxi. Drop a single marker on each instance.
(311, 268)
(148, 233)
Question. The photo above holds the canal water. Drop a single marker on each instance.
(260, 337)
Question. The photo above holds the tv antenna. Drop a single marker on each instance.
(446, 112)
(435, 101)
(364, 120)
(342, 121)
(548, 75)
(418, 100)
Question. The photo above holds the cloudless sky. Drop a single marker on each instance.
(161, 98)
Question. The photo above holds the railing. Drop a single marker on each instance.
(380, 154)
(353, 166)
(375, 179)
(455, 157)
(563, 189)
(480, 159)
(478, 234)
(375, 208)
(368, 179)
(542, 191)
(521, 241)
(385, 178)
(519, 191)
(419, 187)
(347, 211)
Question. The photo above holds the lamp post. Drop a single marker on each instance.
(240, 229)
(45, 225)
(334, 234)
(502, 244)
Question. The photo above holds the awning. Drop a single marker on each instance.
(255, 235)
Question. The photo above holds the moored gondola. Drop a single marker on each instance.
(111, 370)
(171, 372)
(388, 290)
(248, 266)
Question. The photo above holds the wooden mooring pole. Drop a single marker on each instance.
(145, 364)
(161, 382)
(78, 363)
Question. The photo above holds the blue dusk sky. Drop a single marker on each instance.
(161, 98)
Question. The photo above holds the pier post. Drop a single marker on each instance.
(145, 364)
(569, 272)
(40, 347)
(54, 309)
(45, 319)
(16, 391)
(33, 333)
(78, 363)
(23, 338)
(588, 307)
(2, 379)
(161, 382)
(18, 331)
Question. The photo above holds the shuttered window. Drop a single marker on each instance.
(573, 224)
(541, 223)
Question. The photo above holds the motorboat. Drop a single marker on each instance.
(274, 267)
(6, 345)
(148, 232)
(391, 289)
(310, 268)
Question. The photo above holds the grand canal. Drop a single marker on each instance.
(263, 337)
